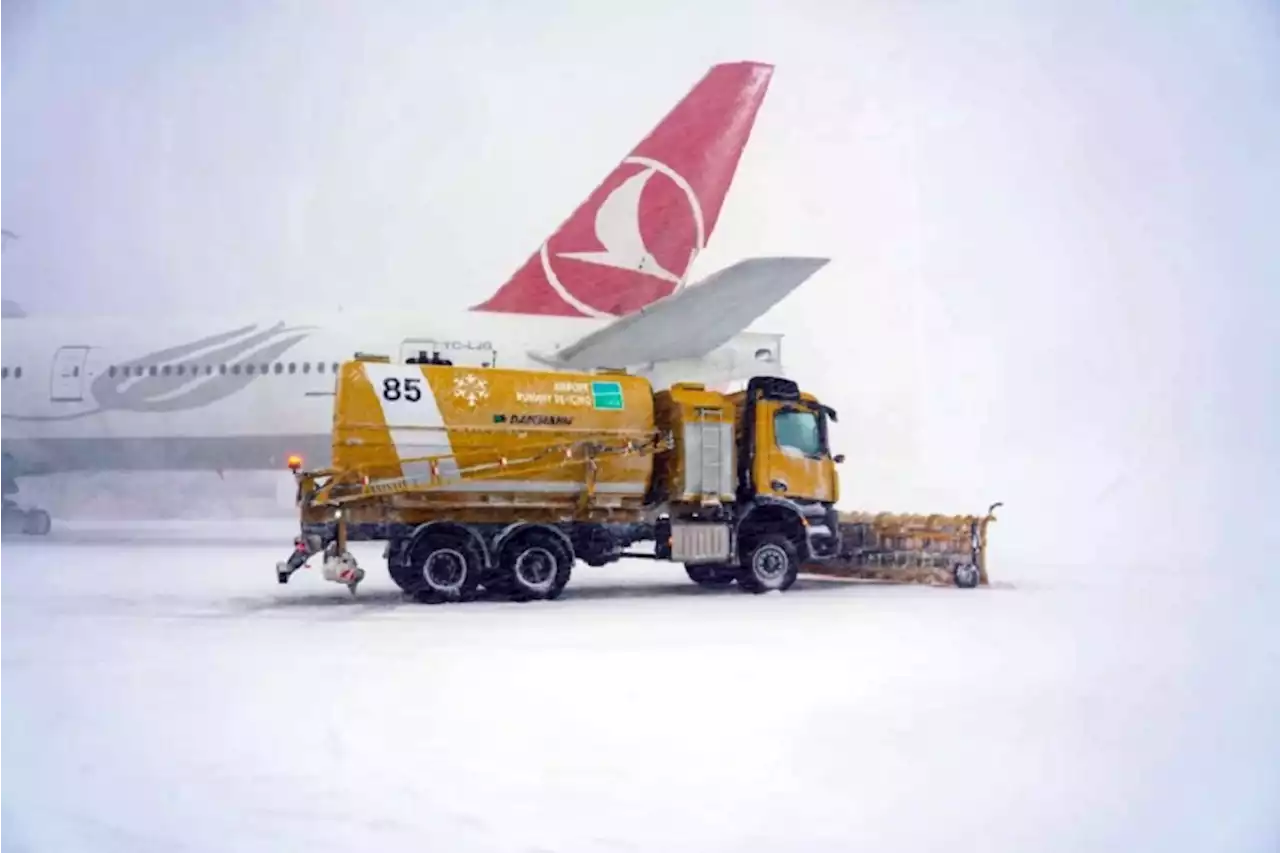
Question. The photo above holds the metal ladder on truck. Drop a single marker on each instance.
(711, 462)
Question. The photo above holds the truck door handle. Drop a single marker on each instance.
(778, 485)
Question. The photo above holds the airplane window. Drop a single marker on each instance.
(181, 369)
(75, 371)
(17, 373)
(306, 367)
(319, 367)
(266, 368)
(151, 371)
(335, 367)
(4, 372)
(293, 367)
(278, 367)
(235, 368)
(222, 370)
(111, 371)
(164, 371)
(208, 370)
(249, 368)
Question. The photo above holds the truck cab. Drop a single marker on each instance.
(785, 461)
(776, 509)
(783, 444)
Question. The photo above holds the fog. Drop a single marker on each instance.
(1053, 281)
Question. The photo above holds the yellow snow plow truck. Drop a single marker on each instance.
(500, 479)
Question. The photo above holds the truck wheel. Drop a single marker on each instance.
(710, 574)
(771, 564)
(442, 567)
(966, 575)
(535, 566)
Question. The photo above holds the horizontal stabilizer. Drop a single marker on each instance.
(693, 321)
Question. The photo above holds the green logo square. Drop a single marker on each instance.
(607, 395)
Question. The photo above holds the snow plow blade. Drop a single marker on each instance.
(939, 550)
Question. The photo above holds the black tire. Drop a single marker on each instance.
(716, 575)
(37, 522)
(534, 566)
(442, 567)
(770, 565)
(966, 575)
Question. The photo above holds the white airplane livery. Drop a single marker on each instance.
(606, 289)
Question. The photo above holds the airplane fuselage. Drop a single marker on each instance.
(196, 393)
(224, 394)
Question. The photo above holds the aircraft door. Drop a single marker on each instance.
(461, 353)
(66, 383)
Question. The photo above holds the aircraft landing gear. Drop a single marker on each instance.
(32, 523)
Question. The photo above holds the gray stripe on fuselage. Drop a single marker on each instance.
(36, 456)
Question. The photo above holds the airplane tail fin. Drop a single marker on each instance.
(634, 238)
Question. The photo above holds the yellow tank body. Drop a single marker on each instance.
(488, 438)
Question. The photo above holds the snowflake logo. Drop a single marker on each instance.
(471, 388)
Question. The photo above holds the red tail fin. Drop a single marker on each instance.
(634, 238)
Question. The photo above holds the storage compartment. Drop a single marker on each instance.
(700, 542)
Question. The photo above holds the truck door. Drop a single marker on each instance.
(66, 382)
(792, 459)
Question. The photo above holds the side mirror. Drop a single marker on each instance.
(838, 458)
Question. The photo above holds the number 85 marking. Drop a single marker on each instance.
(394, 388)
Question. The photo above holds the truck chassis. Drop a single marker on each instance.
(448, 560)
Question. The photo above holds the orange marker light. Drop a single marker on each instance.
(295, 462)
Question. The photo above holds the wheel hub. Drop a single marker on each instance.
(769, 563)
(536, 568)
(445, 570)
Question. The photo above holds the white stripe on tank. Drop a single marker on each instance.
(417, 428)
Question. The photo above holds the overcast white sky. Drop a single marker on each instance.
(1054, 279)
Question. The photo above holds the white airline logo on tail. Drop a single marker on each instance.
(617, 227)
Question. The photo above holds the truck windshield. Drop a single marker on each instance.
(798, 429)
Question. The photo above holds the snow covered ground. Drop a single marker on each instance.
(167, 695)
